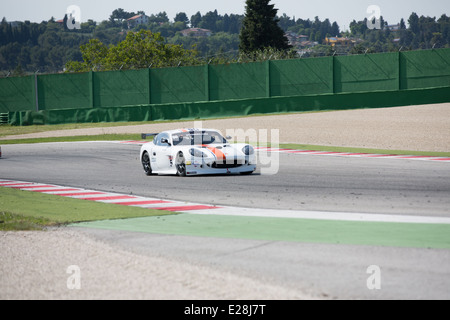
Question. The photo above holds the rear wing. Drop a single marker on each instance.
(148, 135)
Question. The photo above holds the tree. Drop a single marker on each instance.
(402, 24)
(139, 50)
(414, 23)
(335, 29)
(260, 29)
(196, 19)
(358, 28)
(159, 18)
(209, 21)
(234, 23)
(120, 15)
(286, 22)
(182, 17)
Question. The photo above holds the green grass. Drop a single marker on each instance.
(8, 130)
(103, 137)
(15, 222)
(364, 150)
(26, 210)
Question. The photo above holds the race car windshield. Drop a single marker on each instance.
(197, 138)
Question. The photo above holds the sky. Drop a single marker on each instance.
(341, 11)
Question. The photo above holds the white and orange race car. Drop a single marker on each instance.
(188, 152)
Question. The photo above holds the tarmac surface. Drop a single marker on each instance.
(119, 264)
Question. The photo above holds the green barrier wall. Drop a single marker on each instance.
(174, 85)
(234, 108)
(425, 69)
(95, 91)
(118, 88)
(68, 91)
(17, 94)
(237, 81)
(372, 72)
(301, 77)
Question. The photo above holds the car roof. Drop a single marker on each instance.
(190, 130)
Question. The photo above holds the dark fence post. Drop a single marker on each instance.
(268, 78)
(401, 71)
(333, 74)
(149, 85)
(91, 89)
(207, 85)
(36, 92)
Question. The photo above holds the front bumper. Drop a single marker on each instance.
(199, 167)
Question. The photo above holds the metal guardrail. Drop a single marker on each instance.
(4, 118)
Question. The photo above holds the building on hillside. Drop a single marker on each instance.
(308, 44)
(337, 42)
(394, 27)
(137, 20)
(15, 24)
(196, 32)
(303, 38)
(299, 41)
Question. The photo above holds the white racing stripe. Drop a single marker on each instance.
(322, 215)
(205, 209)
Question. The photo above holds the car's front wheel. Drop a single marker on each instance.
(181, 165)
(146, 163)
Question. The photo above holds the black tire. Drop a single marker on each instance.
(180, 164)
(146, 163)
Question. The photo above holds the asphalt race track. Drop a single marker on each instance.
(397, 186)
(303, 182)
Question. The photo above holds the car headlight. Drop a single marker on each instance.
(248, 150)
(197, 153)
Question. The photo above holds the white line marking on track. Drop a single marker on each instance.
(322, 215)
(205, 209)
(106, 197)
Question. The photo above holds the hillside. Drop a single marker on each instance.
(28, 47)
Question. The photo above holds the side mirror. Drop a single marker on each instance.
(164, 140)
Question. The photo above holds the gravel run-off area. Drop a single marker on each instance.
(37, 266)
(34, 265)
